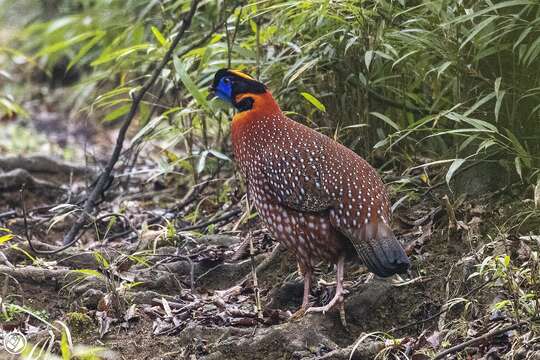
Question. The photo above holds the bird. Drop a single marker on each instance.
(317, 197)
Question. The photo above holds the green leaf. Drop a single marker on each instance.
(64, 346)
(517, 163)
(497, 85)
(314, 101)
(148, 128)
(299, 72)
(118, 54)
(219, 155)
(88, 272)
(368, 57)
(116, 113)
(498, 104)
(159, 36)
(500, 5)
(86, 48)
(189, 84)
(12, 108)
(519, 149)
(522, 37)
(442, 68)
(202, 162)
(386, 119)
(453, 168)
(65, 44)
(477, 29)
(506, 260)
(5, 238)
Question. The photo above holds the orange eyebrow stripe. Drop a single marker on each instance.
(241, 74)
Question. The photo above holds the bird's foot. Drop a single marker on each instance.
(299, 314)
(336, 300)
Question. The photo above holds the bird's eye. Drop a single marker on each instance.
(226, 80)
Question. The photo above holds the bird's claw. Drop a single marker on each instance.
(298, 314)
(338, 299)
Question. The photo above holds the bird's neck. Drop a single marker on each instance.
(264, 109)
(262, 106)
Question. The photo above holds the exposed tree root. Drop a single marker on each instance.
(36, 275)
(75, 259)
(45, 165)
(14, 180)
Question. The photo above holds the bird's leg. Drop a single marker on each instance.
(307, 288)
(338, 298)
(305, 300)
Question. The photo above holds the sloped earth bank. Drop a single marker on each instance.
(166, 272)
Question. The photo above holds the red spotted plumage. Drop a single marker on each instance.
(320, 199)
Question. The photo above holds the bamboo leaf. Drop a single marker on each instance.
(299, 72)
(314, 101)
(498, 105)
(189, 84)
(5, 238)
(118, 54)
(65, 43)
(519, 170)
(489, 9)
(116, 113)
(202, 161)
(519, 149)
(477, 29)
(64, 346)
(453, 168)
(219, 155)
(159, 37)
(368, 57)
(386, 119)
(86, 48)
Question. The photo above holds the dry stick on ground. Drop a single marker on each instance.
(104, 177)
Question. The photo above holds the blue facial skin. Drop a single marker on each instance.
(224, 89)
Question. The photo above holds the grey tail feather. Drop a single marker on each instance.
(379, 249)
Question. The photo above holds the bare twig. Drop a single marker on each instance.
(105, 175)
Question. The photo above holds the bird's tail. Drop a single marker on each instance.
(379, 249)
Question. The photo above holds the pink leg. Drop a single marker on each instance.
(338, 298)
(305, 300)
(307, 288)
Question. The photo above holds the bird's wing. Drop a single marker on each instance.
(299, 187)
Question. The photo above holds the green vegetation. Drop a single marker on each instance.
(79, 323)
(450, 81)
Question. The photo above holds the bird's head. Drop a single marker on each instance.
(237, 88)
